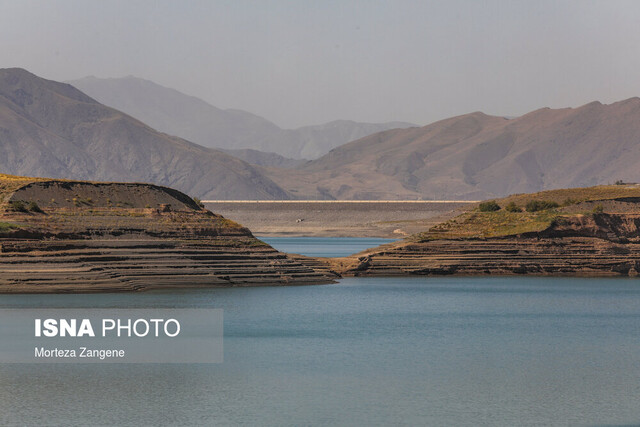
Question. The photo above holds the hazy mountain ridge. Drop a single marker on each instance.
(52, 129)
(312, 142)
(175, 113)
(476, 156)
(262, 158)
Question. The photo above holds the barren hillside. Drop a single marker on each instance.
(477, 156)
(52, 129)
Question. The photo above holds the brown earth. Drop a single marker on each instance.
(389, 219)
(69, 236)
(66, 236)
(599, 244)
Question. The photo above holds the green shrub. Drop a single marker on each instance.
(5, 226)
(33, 207)
(540, 205)
(18, 206)
(512, 207)
(598, 209)
(490, 206)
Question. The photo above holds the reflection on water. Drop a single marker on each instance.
(413, 351)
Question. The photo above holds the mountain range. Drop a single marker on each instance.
(477, 156)
(191, 118)
(52, 129)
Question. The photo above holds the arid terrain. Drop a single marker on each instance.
(574, 232)
(477, 156)
(79, 236)
(391, 219)
(52, 129)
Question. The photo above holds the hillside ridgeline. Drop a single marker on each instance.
(193, 119)
(476, 156)
(52, 129)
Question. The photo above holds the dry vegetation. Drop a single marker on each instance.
(5, 226)
(10, 183)
(491, 224)
(568, 196)
(83, 215)
(513, 217)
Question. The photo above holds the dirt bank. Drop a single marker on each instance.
(338, 218)
(68, 236)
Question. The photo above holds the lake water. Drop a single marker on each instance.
(324, 246)
(401, 351)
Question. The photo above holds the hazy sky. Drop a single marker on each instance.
(308, 62)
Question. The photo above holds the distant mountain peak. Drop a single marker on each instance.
(20, 86)
(196, 120)
(52, 129)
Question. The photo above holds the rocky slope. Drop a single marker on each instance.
(52, 129)
(175, 113)
(553, 255)
(195, 120)
(70, 236)
(591, 236)
(476, 156)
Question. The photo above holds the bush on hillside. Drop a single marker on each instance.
(490, 206)
(18, 206)
(540, 205)
(512, 207)
(33, 207)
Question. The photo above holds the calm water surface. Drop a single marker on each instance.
(409, 351)
(324, 246)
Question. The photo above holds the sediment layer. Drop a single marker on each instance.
(139, 264)
(66, 236)
(595, 245)
(570, 256)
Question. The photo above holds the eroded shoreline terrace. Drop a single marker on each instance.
(77, 236)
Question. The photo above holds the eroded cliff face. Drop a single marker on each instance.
(583, 245)
(61, 236)
(614, 227)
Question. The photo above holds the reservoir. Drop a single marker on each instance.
(365, 351)
(324, 246)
